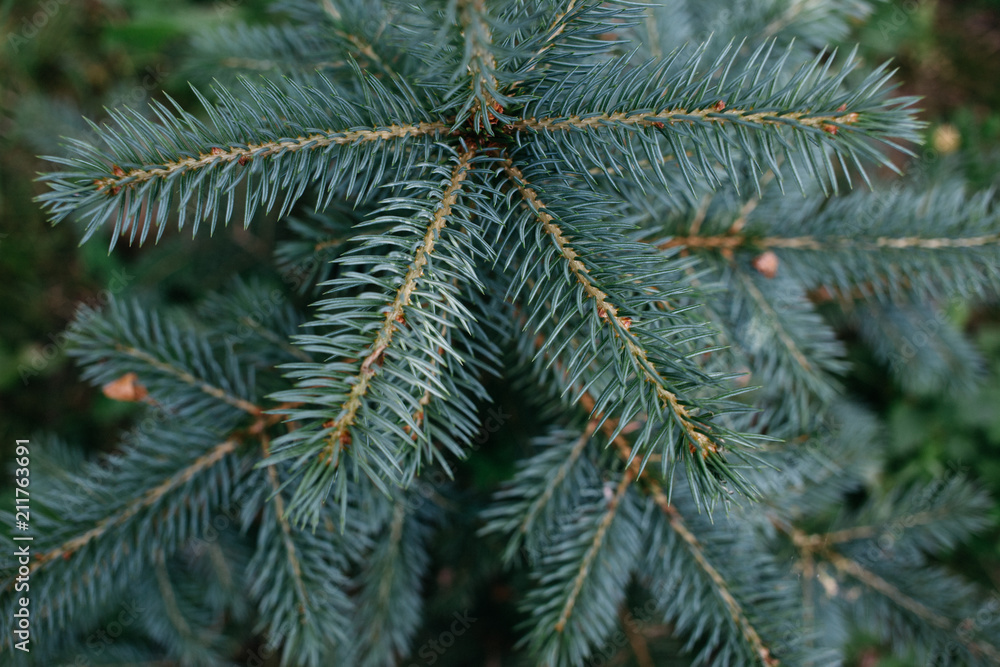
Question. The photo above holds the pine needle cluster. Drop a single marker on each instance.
(645, 231)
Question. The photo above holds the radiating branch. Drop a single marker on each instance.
(187, 378)
(716, 113)
(244, 155)
(213, 457)
(698, 440)
(594, 548)
(339, 434)
(750, 634)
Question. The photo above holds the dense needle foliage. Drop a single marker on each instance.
(642, 234)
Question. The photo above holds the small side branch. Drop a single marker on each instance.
(286, 532)
(594, 548)
(733, 242)
(340, 427)
(479, 55)
(557, 479)
(698, 440)
(187, 378)
(811, 546)
(676, 521)
(202, 463)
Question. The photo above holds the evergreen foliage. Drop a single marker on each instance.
(642, 230)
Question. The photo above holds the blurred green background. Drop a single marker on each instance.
(61, 60)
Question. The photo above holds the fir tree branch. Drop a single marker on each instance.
(733, 117)
(242, 155)
(865, 532)
(735, 242)
(217, 454)
(872, 580)
(271, 139)
(595, 546)
(389, 604)
(383, 599)
(481, 64)
(699, 441)
(169, 596)
(555, 29)
(340, 428)
(187, 378)
(539, 504)
(286, 535)
(676, 521)
(819, 545)
(827, 122)
(783, 334)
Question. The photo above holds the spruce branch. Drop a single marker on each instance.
(406, 354)
(129, 511)
(592, 551)
(486, 101)
(651, 486)
(608, 311)
(510, 177)
(177, 365)
(814, 547)
(266, 141)
(728, 116)
(394, 317)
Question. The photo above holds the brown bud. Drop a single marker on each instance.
(842, 107)
(720, 105)
(244, 160)
(117, 171)
(766, 264)
(830, 129)
(126, 388)
(216, 150)
(626, 323)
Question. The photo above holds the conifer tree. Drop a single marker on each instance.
(638, 224)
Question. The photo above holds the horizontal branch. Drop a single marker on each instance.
(733, 242)
(819, 545)
(716, 113)
(217, 156)
(187, 378)
(204, 462)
